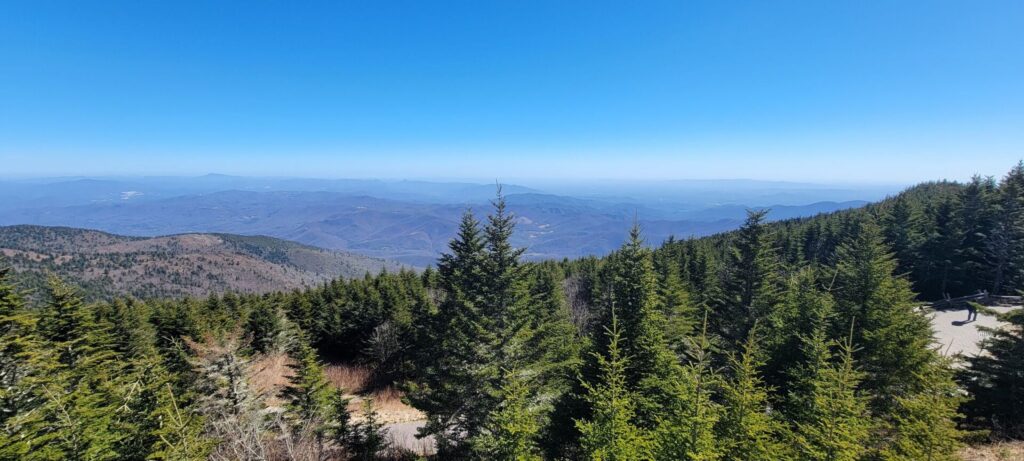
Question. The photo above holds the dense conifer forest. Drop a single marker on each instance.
(795, 340)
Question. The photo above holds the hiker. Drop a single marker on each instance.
(972, 312)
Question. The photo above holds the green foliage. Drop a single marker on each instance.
(686, 429)
(635, 300)
(487, 323)
(511, 430)
(309, 395)
(994, 380)
(894, 341)
(366, 439)
(747, 430)
(610, 435)
(179, 432)
(923, 426)
(834, 424)
(263, 328)
(751, 282)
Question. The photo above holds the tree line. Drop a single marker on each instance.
(794, 340)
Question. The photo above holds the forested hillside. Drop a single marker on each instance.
(799, 340)
(105, 266)
(948, 238)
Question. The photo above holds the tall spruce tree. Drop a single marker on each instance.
(27, 367)
(806, 311)
(923, 427)
(747, 430)
(610, 434)
(686, 427)
(899, 225)
(676, 307)
(834, 424)
(310, 397)
(89, 387)
(893, 341)
(634, 299)
(994, 380)
(488, 325)
(512, 428)
(751, 285)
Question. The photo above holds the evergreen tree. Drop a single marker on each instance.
(309, 395)
(994, 379)
(747, 429)
(445, 389)
(512, 429)
(834, 424)
(610, 435)
(895, 341)
(27, 365)
(367, 438)
(635, 301)
(923, 427)
(88, 388)
(899, 225)
(488, 325)
(976, 218)
(940, 250)
(676, 307)
(686, 428)
(263, 327)
(751, 285)
(179, 432)
(1007, 250)
(807, 311)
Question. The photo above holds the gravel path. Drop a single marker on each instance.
(403, 435)
(956, 335)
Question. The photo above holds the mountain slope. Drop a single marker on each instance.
(105, 264)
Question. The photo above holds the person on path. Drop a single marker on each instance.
(972, 312)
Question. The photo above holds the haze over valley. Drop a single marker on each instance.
(412, 221)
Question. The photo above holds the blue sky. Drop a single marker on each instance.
(812, 91)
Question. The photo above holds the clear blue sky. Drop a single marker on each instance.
(818, 90)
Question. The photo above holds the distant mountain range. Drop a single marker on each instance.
(407, 221)
(105, 265)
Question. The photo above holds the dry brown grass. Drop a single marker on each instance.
(352, 379)
(1003, 451)
(355, 381)
(269, 375)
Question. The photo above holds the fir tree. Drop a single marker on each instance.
(634, 299)
(88, 387)
(751, 285)
(994, 379)
(27, 365)
(895, 341)
(179, 432)
(487, 325)
(309, 395)
(747, 429)
(923, 427)
(676, 307)
(686, 428)
(609, 434)
(899, 225)
(834, 425)
(806, 310)
(511, 430)
(263, 328)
